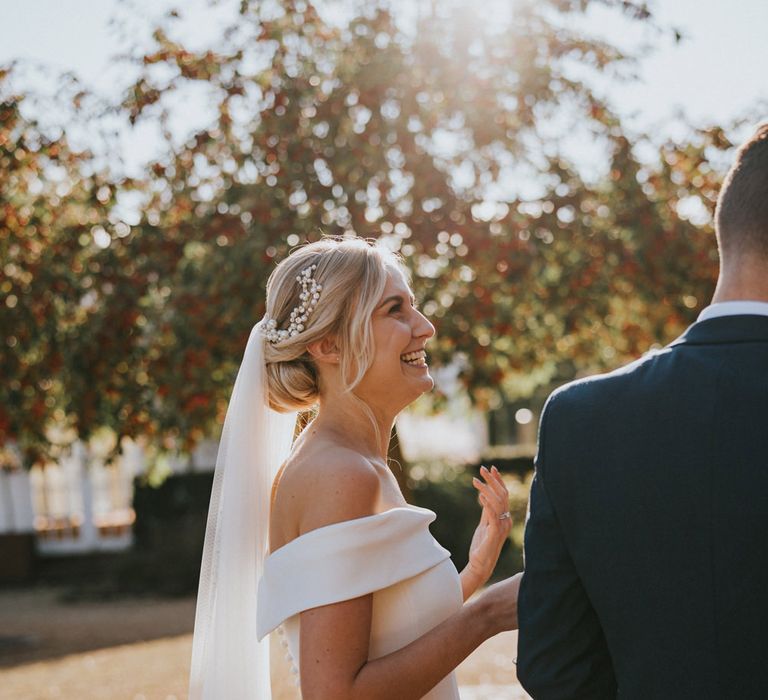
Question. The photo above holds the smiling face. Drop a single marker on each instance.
(399, 373)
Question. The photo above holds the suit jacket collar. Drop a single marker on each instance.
(726, 329)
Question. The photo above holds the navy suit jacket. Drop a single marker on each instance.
(646, 545)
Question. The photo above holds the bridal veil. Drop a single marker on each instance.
(228, 661)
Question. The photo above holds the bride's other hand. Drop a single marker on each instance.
(490, 534)
(500, 603)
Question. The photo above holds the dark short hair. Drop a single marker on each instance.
(741, 217)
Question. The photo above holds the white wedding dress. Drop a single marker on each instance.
(392, 554)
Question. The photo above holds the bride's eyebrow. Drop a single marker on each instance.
(396, 297)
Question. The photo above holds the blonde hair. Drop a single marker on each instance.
(353, 274)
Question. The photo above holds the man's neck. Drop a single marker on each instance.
(743, 281)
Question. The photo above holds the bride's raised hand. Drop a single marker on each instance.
(492, 531)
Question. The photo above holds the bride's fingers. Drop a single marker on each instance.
(481, 499)
(493, 478)
(497, 476)
(495, 493)
(493, 499)
(490, 515)
(495, 502)
(499, 487)
(490, 479)
(491, 510)
(487, 514)
(497, 482)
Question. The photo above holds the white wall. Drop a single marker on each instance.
(16, 512)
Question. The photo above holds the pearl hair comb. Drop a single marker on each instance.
(310, 295)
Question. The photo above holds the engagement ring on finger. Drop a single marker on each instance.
(504, 516)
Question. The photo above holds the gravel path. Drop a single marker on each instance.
(140, 650)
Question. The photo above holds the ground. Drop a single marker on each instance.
(139, 649)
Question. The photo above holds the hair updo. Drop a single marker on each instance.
(353, 274)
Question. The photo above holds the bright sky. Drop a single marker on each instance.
(715, 74)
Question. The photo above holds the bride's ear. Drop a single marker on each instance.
(325, 351)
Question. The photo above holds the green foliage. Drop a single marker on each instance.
(372, 129)
(340, 132)
(454, 500)
(53, 208)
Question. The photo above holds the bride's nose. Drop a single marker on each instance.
(423, 327)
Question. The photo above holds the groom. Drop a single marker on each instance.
(646, 546)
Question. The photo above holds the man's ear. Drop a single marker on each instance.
(324, 350)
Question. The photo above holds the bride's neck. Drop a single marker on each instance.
(365, 431)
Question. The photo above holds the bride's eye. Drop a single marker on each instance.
(396, 308)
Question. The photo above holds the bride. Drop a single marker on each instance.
(313, 537)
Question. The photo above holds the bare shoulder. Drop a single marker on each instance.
(327, 485)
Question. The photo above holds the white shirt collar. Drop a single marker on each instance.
(734, 308)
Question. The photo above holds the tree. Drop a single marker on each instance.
(52, 229)
(411, 133)
(367, 129)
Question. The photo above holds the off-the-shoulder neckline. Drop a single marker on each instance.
(341, 523)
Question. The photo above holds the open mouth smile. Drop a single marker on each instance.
(415, 359)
